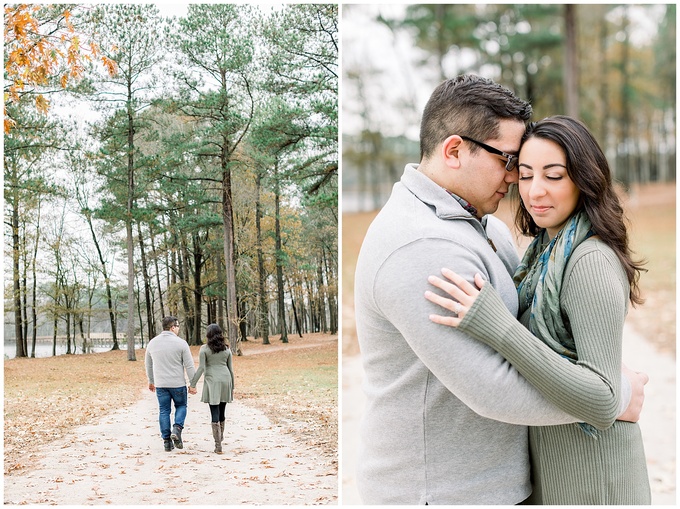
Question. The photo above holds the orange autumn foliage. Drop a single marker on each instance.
(41, 45)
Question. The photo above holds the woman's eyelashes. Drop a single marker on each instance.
(549, 177)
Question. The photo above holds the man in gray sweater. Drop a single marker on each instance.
(167, 357)
(446, 416)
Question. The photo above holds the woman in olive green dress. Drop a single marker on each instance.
(218, 386)
(574, 284)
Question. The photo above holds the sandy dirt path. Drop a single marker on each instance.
(658, 421)
(121, 461)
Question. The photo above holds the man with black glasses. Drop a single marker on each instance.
(167, 358)
(446, 416)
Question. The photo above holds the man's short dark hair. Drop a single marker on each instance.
(169, 322)
(468, 105)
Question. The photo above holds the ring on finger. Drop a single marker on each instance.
(456, 307)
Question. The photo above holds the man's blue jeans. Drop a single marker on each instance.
(166, 395)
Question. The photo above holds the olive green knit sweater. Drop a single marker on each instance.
(568, 465)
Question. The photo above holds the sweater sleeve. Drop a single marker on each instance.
(201, 368)
(188, 361)
(595, 302)
(475, 373)
(148, 363)
(231, 372)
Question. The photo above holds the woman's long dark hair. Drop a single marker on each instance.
(216, 341)
(588, 168)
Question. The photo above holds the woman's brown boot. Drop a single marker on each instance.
(217, 436)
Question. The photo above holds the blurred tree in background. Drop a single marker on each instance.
(612, 66)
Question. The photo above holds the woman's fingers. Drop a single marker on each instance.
(445, 302)
(462, 292)
(451, 321)
(457, 308)
(461, 282)
(453, 290)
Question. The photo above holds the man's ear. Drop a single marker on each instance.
(451, 151)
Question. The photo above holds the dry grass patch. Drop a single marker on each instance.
(46, 398)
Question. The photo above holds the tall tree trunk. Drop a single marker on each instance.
(221, 285)
(57, 300)
(81, 327)
(35, 284)
(323, 325)
(138, 293)
(69, 316)
(24, 290)
(279, 264)
(229, 255)
(242, 325)
(332, 295)
(55, 324)
(150, 319)
(183, 268)
(158, 275)
(626, 174)
(128, 230)
(263, 313)
(571, 71)
(18, 328)
(107, 281)
(198, 289)
(604, 83)
(171, 270)
(296, 318)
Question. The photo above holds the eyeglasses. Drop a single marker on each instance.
(510, 160)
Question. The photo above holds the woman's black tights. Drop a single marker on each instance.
(217, 412)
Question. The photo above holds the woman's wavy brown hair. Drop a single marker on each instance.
(215, 338)
(588, 168)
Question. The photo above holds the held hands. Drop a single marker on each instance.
(637, 397)
(192, 390)
(463, 293)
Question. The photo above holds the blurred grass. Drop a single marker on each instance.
(651, 213)
(354, 228)
(296, 385)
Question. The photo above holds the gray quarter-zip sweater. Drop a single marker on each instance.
(446, 415)
(167, 357)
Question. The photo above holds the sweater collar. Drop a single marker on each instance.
(446, 204)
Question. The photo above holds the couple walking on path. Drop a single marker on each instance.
(167, 358)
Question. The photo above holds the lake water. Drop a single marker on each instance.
(44, 349)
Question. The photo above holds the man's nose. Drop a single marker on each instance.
(512, 177)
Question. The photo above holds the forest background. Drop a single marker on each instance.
(159, 165)
(613, 66)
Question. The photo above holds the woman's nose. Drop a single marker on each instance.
(537, 188)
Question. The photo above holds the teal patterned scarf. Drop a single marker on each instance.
(539, 283)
